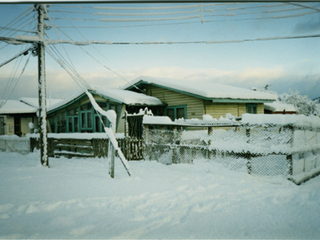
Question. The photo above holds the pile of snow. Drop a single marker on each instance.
(76, 198)
(203, 89)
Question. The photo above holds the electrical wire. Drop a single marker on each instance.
(100, 54)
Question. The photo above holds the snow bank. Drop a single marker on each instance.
(14, 143)
(75, 198)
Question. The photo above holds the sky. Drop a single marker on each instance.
(284, 64)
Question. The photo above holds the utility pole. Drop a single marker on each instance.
(43, 141)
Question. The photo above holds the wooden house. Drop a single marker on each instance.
(16, 116)
(193, 99)
(75, 114)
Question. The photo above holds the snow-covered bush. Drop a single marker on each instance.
(302, 103)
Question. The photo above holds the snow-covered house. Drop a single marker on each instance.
(279, 108)
(16, 115)
(193, 99)
(76, 113)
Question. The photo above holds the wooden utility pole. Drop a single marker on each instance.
(43, 141)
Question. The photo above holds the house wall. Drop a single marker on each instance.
(25, 125)
(216, 110)
(195, 106)
(120, 125)
(9, 127)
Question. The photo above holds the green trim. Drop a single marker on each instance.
(68, 104)
(225, 100)
(175, 111)
(229, 100)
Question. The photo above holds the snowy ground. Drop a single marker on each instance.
(75, 198)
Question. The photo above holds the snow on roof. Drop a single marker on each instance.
(75, 94)
(205, 89)
(120, 95)
(129, 97)
(16, 106)
(34, 102)
(279, 107)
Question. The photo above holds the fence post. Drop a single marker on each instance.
(248, 134)
(289, 166)
(112, 161)
(249, 162)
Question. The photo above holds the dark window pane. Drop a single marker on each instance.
(76, 124)
(103, 105)
(83, 120)
(180, 113)
(70, 124)
(97, 122)
(89, 119)
(170, 113)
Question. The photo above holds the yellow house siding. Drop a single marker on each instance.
(260, 109)
(195, 107)
(216, 110)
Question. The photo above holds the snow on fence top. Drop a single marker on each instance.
(247, 119)
(206, 122)
(295, 120)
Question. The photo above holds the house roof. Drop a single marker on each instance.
(205, 90)
(16, 107)
(34, 102)
(279, 107)
(23, 105)
(117, 95)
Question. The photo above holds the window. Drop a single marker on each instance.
(1, 125)
(61, 122)
(73, 119)
(176, 112)
(252, 108)
(52, 124)
(86, 117)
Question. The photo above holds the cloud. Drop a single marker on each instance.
(60, 84)
(309, 26)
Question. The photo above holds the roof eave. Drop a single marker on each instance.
(232, 100)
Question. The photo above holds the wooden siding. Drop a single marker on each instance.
(195, 106)
(216, 110)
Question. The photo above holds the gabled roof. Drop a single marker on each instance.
(117, 95)
(34, 102)
(205, 90)
(23, 105)
(16, 107)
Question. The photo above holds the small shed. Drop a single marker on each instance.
(17, 116)
(279, 108)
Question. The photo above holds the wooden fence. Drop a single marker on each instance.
(95, 147)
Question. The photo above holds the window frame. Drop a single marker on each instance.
(175, 110)
(251, 106)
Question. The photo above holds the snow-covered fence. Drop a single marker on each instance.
(264, 144)
(14, 144)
